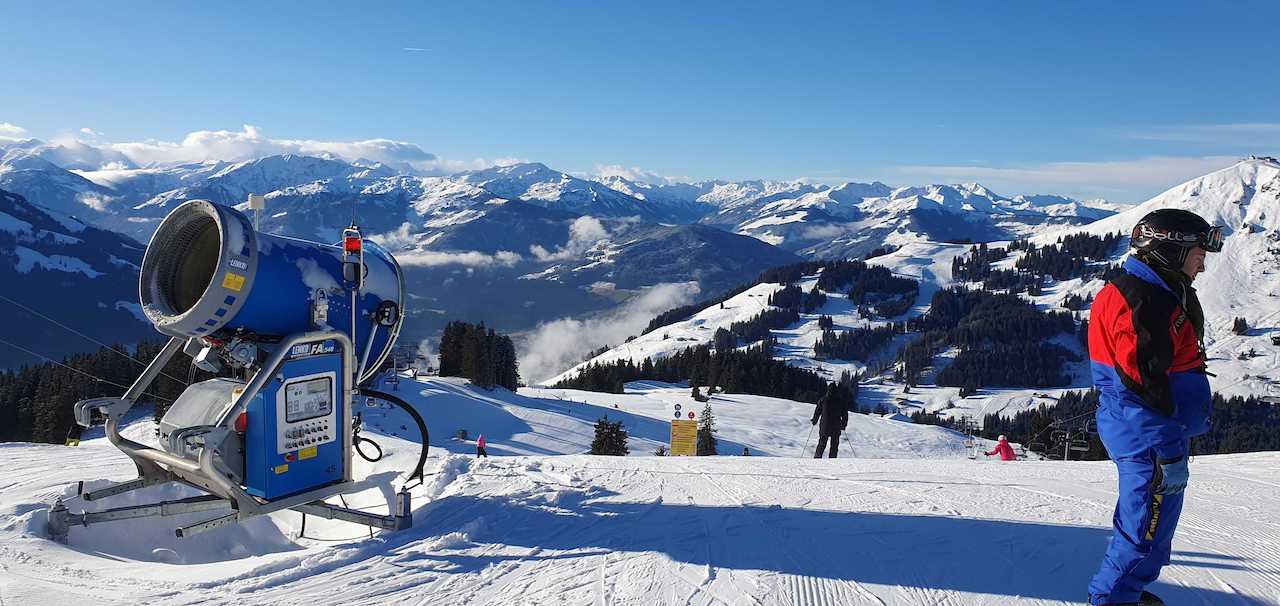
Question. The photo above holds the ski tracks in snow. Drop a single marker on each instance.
(588, 531)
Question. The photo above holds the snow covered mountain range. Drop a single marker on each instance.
(129, 198)
(560, 244)
(1242, 281)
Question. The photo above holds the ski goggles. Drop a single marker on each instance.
(1210, 240)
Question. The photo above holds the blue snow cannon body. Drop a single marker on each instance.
(208, 273)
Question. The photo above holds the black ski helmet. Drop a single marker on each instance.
(1165, 236)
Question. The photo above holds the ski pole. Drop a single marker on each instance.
(806, 441)
(847, 441)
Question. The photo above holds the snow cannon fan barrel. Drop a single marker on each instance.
(208, 276)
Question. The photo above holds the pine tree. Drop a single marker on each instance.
(483, 356)
(508, 366)
(610, 438)
(706, 433)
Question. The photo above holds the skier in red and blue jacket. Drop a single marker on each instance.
(1146, 329)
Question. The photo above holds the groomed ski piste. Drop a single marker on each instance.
(910, 521)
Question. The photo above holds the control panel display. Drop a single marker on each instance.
(308, 399)
(307, 414)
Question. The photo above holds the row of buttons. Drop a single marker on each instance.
(308, 430)
(316, 432)
(306, 442)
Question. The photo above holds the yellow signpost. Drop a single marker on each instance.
(684, 438)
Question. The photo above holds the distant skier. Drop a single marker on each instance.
(480, 447)
(834, 417)
(1004, 450)
(1145, 342)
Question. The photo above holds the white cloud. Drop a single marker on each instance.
(584, 233)
(635, 174)
(823, 232)
(1265, 134)
(90, 152)
(556, 346)
(427, 352)
(95, 201)
(396, 239)
(1126, 180)
(470, 259)
(250, 142)
(414, 49)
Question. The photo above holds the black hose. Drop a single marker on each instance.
(417, 418)
(363, 440)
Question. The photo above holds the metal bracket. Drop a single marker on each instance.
(320, 310)
(121, 488)
(84, 410)
(207, 525)
(61, 519)
(400, 520)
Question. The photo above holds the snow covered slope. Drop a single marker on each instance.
(696, 330)
(583, 530)
(561, 421)
(84, 277)
(51, 186)
(534, 182)
(1242, 281)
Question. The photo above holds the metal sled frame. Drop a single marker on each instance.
(158, 467)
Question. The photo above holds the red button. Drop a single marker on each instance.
(289, 457)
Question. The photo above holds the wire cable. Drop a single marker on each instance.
(86, 337)
(77, 370)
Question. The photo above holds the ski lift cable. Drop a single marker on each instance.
(87, 337)
(77, 370)
(1056, 423)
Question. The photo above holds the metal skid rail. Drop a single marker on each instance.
(62, 519)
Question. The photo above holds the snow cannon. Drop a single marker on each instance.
(296, 329)
(208, 275)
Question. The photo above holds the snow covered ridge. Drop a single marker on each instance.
(1242, 281)
(543, 528)
(61, 267)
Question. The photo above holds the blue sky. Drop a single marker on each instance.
(1085, 98)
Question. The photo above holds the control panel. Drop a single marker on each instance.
(305, 412)
(296, 438)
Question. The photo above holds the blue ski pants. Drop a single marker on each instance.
(1142, 532)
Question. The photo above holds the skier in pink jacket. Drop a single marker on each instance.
(1004, 450)
(480, 447)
